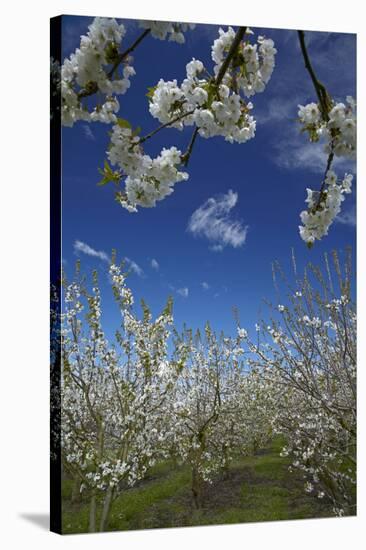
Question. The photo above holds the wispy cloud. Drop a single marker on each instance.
(212, 220)
(155, 264)
(278, 110)
(80, 247)
(88, 132)
(134, 267)
(183, 292)
(84, 248)
(292, 151)
(348, 217)
(205, 285)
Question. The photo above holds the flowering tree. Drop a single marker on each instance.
(214, 101)
(309, 362)
(218, 407)
(113, 402)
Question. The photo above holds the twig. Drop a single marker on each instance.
(187, 154)
(179, 117)
(320, 89)
(329, 164)
(324, 102)
(224, 67)
(125, 54)
(234, 46)
(93, 88)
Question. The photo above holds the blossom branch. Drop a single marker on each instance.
(126, 53)
(166, 125)
(320, 89)
(93, 87)
(233, 48)
(187, 154)
(337, 122)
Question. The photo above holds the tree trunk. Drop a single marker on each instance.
(92, 514)
(106, 509)
(225, 466)
(196, 487)
(76, 495)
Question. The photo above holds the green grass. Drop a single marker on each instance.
(258, 488)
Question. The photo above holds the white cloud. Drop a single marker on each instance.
(212, 220)
(294, 151)
(205, 285)
(348, 217)
(84, 248)
(183, 292)
(134, 267)
(88, 132)
(155, 265)
(279, 110)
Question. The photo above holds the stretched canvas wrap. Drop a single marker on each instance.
(203, 232)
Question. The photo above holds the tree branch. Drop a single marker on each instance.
(224, 67)
(324, 102)
(165, 125)
(126, 53)
(187, 154)
(320, 89)
(234, 46)
(93, 88)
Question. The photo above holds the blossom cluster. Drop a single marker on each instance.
(94, 67)
(252, 66)
(214, 110)
(166, 29)
(147, 179)
(323, 207)
(339, 130)
(88, 69)
(217, 108)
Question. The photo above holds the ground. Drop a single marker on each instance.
(257, 488)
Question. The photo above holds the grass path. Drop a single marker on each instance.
(258, 488)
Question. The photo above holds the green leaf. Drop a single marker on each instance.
(123, 123)
(151, 92)
(107, 169)
(103, 181)
(136, 131)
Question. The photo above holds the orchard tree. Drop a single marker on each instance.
(113, 396)
(216, 406)
(308, 358)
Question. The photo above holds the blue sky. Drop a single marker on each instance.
(267, 176)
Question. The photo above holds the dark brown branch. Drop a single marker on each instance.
(329, 164)
(93, 87)
(320, 89)
(324, 103)
(233, 48)
(187, 154)
(224, 67)
(122, 56)
(165, 125)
